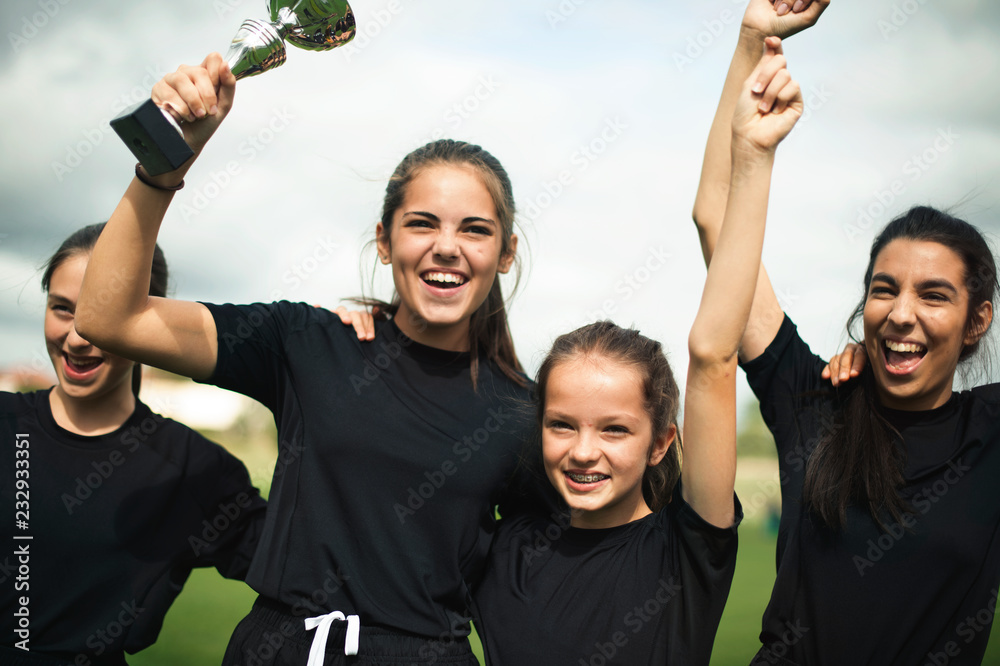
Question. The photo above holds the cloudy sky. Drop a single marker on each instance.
(617, 97)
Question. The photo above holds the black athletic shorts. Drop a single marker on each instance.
(271, 635)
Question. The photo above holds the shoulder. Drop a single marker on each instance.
(787, 367)
(246, 318)
(15, 407)
(173, 440)
(987, 393)
(13, 403)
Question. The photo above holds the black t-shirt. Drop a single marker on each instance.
(101, 532)
(923, 592)
(648, 592)
(389, 465)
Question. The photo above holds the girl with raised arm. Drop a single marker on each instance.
(887, 549)
(109, 504)
(640, 572)
(394, 450)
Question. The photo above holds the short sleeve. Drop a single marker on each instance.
(710, 548)
(232, 510)
(786, 379)
(251, 356)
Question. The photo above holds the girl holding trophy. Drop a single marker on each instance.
(397, 449)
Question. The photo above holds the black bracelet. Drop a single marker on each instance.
(141, 175)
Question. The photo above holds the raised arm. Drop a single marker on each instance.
(763, 18)
(115, 311)
(768, 106)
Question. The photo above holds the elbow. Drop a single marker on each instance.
(706, 351)
(87, 325)
(698, 215)
(91, 323)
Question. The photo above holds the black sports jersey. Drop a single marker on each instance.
(101, 532)
(648, 592)
(389, 465)
(924, 591)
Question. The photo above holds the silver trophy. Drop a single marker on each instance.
(152, 134)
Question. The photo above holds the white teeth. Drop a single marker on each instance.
(83, 363)
(588, 478)
(444, 277)
(904, 346)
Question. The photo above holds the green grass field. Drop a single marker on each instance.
(200, 622)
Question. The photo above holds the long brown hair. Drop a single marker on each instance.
(489, 331)
(861, 461)
(659, 390)
(82, 241)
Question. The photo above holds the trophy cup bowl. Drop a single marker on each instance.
(152, 134)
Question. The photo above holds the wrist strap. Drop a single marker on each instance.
(141, 175)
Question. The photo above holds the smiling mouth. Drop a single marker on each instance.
(586, 478)
(902, 357)
(442, 280)
(82, 365)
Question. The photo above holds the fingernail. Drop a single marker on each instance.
(798, 6)
(782, 9)
(762, 107)
(200, 113)
(758, 87)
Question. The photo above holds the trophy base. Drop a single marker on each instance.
(152, 137)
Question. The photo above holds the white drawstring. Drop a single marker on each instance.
(318, 648)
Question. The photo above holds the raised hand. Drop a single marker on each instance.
(199, 97)
(769, 105)
(782, 18)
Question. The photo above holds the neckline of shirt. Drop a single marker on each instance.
(69, 438)
(422, 352)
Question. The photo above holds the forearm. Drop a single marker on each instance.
(713, 187)
(732, 276)
(116, 285)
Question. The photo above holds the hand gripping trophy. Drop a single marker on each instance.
(153, 135)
